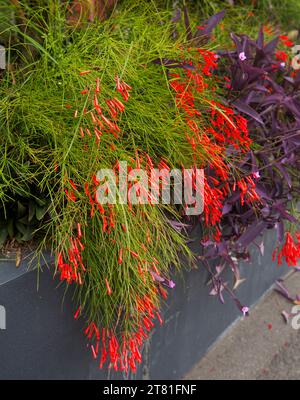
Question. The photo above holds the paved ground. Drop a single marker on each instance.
(261, 346)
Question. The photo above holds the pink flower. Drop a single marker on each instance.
(256, 174)
(170, 283)
(245, 311)
(242, 56)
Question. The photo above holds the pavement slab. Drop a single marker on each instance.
(259, 347)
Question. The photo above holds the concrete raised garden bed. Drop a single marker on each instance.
(43, 341)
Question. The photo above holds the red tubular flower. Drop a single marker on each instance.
(120, 258)
(133, 253)
(109, 291)
(111, 219)
(159, 318)
(100, 208)
(113, 347)
(97, 347)
(95, 355)
(80, 244)
(118, 83)
(94, 120)
(76, 315)
(79, 230)
(92, 211)
(85, 72)
(88, 131)
(213, 204)
(120, 106)
(112, 109)
(72, 184)
(70, 195)
(97, 85)
(89, 330)
(96, 103)
(99, 111)
(103, 357)
(123, 88)
(105, 224)
(107, 121)
(97, 133)
(86, 189)
(132, 364)
(150, 162)
(290, 250)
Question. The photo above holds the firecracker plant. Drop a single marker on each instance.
(155, 88)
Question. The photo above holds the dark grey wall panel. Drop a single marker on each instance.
(41, 340)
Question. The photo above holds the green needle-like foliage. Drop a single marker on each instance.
(41, 146)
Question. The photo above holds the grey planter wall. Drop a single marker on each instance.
(42, 340)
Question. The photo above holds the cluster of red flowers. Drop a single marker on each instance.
(223, 128)
(123, 356)
(290, 250)
(71, 265)
(70, 193)
(121, 350)
(210, 61)
(101, 122)
(228, 127)
(247, 190)
(281, 56)
(286, 41)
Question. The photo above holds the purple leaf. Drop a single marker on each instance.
(261, 191)
(260, 39)
(280, 288)
(177, 225)
(227, 208)
(284, 213)
(189, 34)
(286, 316)
(210, 24)
(167, 282)
(244, 108)
(252, 233)
(271, 46)
(285, 174)
(176, 16)
(280, 231)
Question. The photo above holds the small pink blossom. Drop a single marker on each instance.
(242, 56)
(245, 311)
(171, 284)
